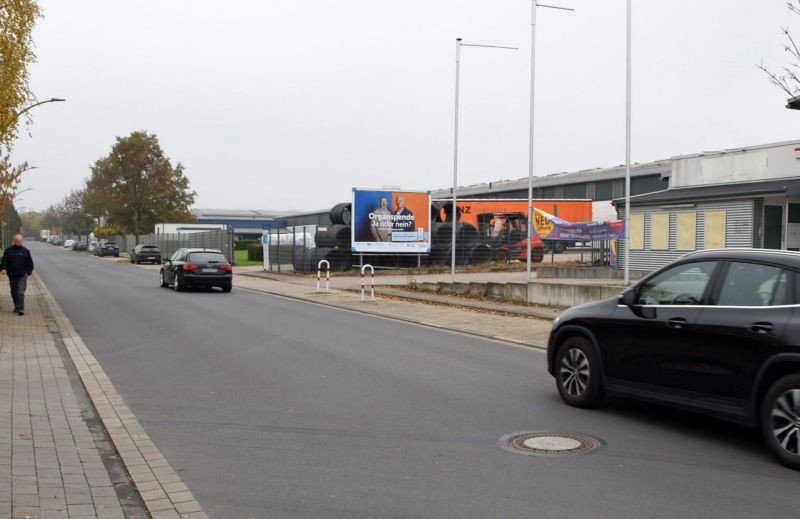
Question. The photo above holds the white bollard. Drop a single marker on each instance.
(327, 275)
(372, 272)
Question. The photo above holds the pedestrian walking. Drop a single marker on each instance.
(17, 264)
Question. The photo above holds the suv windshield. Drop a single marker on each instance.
(206, 257)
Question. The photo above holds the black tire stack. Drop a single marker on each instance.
(333, 242)
(467, 240)
(470, 248)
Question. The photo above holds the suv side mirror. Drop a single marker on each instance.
(627, 298)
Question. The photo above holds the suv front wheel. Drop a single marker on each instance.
(578, 373)
(780, 420)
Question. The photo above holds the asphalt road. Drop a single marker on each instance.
(269, 407)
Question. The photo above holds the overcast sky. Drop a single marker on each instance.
(288, 104)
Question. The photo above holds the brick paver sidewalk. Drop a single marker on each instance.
(49, 463)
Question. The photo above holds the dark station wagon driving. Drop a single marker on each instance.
(717, 332)
(197, 268)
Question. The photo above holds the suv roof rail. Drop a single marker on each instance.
(748, 250)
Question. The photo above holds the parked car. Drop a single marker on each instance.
(717, 332)
(92, 246)
(107, 248)
(79, 245)
(189, 268)
(68, 244)
(146, 253)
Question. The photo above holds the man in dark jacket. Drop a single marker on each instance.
(17, 263)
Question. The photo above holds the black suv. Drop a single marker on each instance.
(203, 268)
(108, 248)
(717, 332)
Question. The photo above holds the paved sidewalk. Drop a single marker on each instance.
(49, 463)
(488, 322)
(486, 305)
(54, 463)
(393, 278)
(395, 287)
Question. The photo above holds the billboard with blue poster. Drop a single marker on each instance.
(393, 222)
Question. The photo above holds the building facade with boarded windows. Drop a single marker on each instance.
(729, 199)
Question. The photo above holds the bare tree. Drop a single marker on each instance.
(787, 78)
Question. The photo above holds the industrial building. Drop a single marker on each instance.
(601, 186)
(743, 197)
(738, 198)
(246, 223)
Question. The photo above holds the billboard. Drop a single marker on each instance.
(549, 227)
(393, 222)
(470, 209)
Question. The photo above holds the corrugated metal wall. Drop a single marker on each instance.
(739, 231)
(758, 222)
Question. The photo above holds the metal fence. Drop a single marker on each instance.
(169, 243)
(293, 249)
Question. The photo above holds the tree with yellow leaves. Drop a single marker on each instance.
(17, 20)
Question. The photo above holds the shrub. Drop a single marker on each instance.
(106, 232)
(244, 244)
(255, 252)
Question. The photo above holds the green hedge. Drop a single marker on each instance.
(255, 252)
(244, 244)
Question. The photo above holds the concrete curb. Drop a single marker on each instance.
(396, 318)
(164, 494)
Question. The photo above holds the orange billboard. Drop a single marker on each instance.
(470, 209)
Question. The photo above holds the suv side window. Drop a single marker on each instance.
(753, 284)
(681, 285)
(177, 256)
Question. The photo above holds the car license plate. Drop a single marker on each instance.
(208, 270)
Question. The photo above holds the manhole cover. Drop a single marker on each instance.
(549, 443)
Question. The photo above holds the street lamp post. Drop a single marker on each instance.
(454, 213)
(534, 5)
(628, 150)
(27, 109)
(34, 105)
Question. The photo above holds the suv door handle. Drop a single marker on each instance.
(761, 327)
(676, 322)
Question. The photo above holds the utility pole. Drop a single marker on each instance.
(534, 6)
(454, 217)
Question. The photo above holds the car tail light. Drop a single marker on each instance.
(226, 268)
(190, 266)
